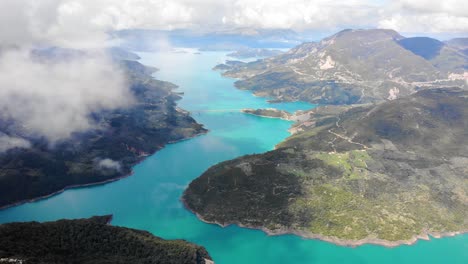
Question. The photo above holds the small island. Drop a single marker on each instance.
(92, 240)
(268, 112)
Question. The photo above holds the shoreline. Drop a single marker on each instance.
(75, 186)
(109, 219)
(290, 118)
(334, 240)
(91, 184)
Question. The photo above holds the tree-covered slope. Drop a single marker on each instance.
(444, 57)
(425, 47)
(91, 241)
(383, 173)
(123, 137)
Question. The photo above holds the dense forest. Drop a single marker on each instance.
(91, 241)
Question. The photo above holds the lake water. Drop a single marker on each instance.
(149, 199)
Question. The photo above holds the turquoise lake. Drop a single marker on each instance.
(150, 198)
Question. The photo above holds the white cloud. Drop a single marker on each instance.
(425, 16)
(450, 7)
(429, 23)
(109, 164)
(8, 142)
(50, 22)
(299, 14)
(55, 99)
(402, 15)
(84, 22)
(162, 14)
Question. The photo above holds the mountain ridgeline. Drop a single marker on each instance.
(384, 173)
(125, 137)
(355, 66)
(460, 44)
(91, 241)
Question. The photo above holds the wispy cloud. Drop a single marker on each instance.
(54, 99)
(8, 142)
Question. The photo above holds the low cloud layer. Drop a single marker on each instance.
(109, 164)
(55, 99)
(300, 14)
(8, 142)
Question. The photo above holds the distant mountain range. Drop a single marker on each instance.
(147, 40)
(356, 66)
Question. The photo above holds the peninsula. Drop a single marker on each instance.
(124, 137)
(386, 173)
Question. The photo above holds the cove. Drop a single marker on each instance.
(149, 199)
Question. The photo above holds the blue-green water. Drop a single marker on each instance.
(149, 199)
